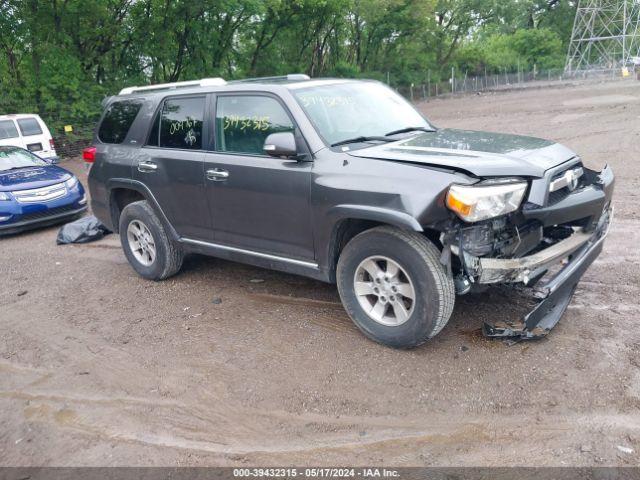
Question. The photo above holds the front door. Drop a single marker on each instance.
(171, 165)
(257, 202)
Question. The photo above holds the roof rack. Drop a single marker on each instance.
(204, 82)
(291, 77)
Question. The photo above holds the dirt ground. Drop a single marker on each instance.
(100, 367)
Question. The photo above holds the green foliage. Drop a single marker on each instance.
(524, 48)
(471, 58)
(540, 47)
(62, 58)
(499, 52)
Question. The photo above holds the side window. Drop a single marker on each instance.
(243, 122)
(8, 129)
(181, 123)
(29, 126)
(117, 121)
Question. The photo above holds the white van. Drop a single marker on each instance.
(30, 132)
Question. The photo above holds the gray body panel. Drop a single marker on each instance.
(263, 205)
(178, 185)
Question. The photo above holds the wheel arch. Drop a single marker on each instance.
(351, 220)
(125, 191)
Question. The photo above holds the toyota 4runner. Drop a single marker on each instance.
(345, 182)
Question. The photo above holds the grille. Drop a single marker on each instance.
(564, 192)
(46, 213)
(44, 194)
(558, 195)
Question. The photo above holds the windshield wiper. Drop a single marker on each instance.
(361, 139)
(409, 129)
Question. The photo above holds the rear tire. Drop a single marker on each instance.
(150, 251)
(379, 271)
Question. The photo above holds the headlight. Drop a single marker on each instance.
(473, 203)
(4, 196)
(72, 182)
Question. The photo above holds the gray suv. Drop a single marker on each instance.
(345, 182)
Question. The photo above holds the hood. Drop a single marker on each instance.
(32, 177)
(482, 154)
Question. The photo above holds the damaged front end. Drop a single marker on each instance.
(546, 245)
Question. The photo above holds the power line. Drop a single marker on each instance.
(606, 34)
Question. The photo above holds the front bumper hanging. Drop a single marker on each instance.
(555, 294)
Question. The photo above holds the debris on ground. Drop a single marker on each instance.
(216, 301)
(83, 230)
(624, 449)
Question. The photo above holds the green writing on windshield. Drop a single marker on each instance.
(330, 101)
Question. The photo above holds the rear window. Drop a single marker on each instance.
(8, 129)
(117, 121)
(181, 123)
(29, 126)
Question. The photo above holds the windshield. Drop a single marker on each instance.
(356, 109)
(11, 158)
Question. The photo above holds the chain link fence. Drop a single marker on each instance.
(71, 144)
(71, 133)
(458, 83)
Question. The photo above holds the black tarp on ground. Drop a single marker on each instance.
(83, 230)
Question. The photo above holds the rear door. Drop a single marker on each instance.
(258, 202)
(9, 134)
(171, 164)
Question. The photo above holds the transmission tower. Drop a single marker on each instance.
(606, 34)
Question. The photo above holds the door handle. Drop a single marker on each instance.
(217, 175)
(147, 167)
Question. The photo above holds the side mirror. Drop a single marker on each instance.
(282, 144)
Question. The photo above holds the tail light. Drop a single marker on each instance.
(51, 144)
(89, 154)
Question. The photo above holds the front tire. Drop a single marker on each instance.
(394, 287)
(146, 244)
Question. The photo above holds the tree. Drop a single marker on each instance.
(61, 57)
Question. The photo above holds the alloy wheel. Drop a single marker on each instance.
(141, 242)
(384, 290)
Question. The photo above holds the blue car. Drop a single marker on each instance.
(35, 193)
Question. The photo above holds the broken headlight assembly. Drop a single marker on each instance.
(484, 200)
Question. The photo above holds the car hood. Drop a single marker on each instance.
(482, 154)
(32, 177)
